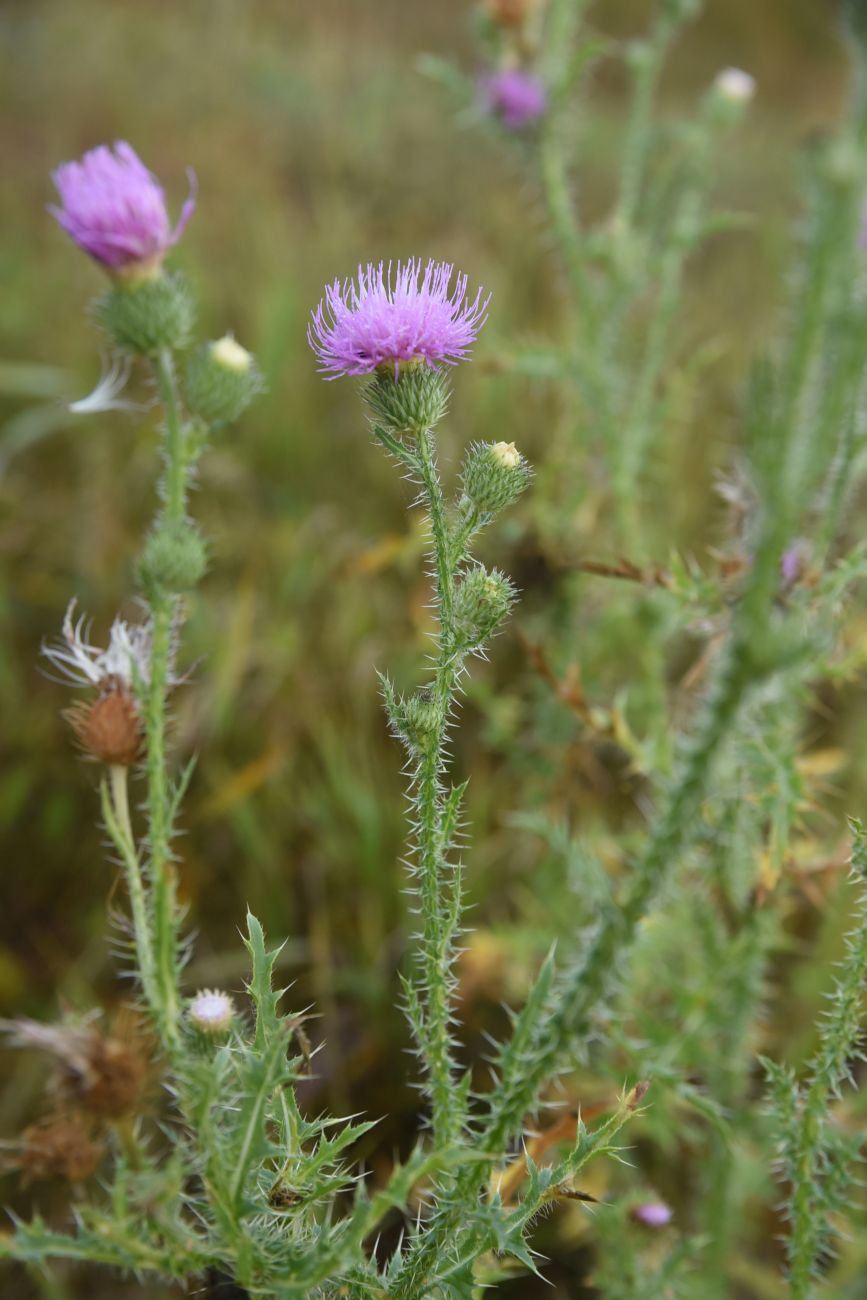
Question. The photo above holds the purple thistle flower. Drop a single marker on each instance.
(517, 97)
(653, 1214)
(383, 319)
(115, 209)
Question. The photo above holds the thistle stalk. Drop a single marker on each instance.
(436, 936)
(164, 607)
(115, 808)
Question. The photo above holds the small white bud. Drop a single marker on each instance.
(506, 454)
(211, 1012)
(228, 352)
(736, 85)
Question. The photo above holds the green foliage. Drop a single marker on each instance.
(816, 1159)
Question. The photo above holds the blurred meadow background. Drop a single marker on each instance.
(319, 140)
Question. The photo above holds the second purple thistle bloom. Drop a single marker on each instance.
(386, 317)
(518, 98)
(115, 209)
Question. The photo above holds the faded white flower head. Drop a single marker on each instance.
(211, 1012)
(107, 394)
(736, 85)
(126, 659)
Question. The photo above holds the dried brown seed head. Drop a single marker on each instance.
(109, 728)
(114, 1079)
(60, 1146)
(509, 13)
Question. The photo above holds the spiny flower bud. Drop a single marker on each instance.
(731, 92)
(148, 315)
(108, 729)
(494, 475)
(408, 402)
(735, 85)
(211, 1013)
(482, 601)
(174, 558)
(221, 381)
(414, 719)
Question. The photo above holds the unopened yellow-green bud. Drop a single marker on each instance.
(494, 475)
(174, 558)
(506, 454)
(228, 352)
(222, 379)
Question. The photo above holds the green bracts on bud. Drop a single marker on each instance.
(146, 316)
(415, 719)
(414, 400)
(494, 475)
(222, 379)
(174, 559)
(482, 601)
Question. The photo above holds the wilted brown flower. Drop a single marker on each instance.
(59, 1146)
(109, 728)
(104, 1074)
(509, 13)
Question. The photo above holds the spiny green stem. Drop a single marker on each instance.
(175, 486)
(840, 1035)
(440, 531)
(163, 610)
(647, 64)
(161, 867)
(115, 807)
(436, 939)
(580, 994)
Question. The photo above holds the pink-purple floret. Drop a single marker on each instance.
(390, 316)
(653, 1214)
(517, 97)
(115, 209)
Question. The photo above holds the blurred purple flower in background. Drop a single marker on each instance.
(384, 318)
(653, 1214)
(517, 97)
(115, 209)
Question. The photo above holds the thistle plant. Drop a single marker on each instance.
(622, 379)
(654, 946)
(236, 1181)
(402, 330)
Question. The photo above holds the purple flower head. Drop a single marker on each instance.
(517, 97)
(115, 209)
(653, 1214)
(792, 563)
(385, 318)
